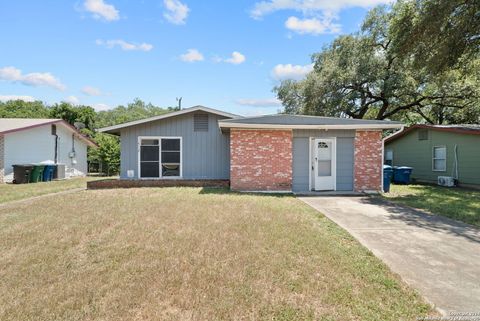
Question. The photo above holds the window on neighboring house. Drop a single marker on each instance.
(160, 157)
(423, 134)
(389, 157)
(200, 122)
(439, 158)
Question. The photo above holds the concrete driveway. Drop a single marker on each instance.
(437, 256)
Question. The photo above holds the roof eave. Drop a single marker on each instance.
(223, 125)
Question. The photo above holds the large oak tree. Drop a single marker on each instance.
(364, 75)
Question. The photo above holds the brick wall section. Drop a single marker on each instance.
(260, 160)
(2, 162)
(368, 161)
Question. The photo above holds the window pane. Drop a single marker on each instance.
(439, 164)
(439, 152)
(170, 170)
(389, 155)
(171, 144)
(149, 141)
(324, 168)
(149, 153)
(149, 169)
(170, 157)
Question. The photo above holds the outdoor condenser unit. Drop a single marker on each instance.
(446, 181)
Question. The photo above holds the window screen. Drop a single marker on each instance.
(389, 157)
(149, 158)
(423, 134)
(160, 157)
(440, 158)
(200, 122)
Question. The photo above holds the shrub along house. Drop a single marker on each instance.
(266, 153)
(437, 151)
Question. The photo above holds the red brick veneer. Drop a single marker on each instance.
(368, 161)
(260, 160)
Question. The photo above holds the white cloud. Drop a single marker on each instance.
(101, 10)
(268, 102)
(236, 59)
(192, 55)
(127, 46)
(176, 12)
(263, 8)
(313, 26)
(72, 100)
(289, 71)
(35, 79)
(319, 16)
(16, 97)
(101, 107)
(91, 91)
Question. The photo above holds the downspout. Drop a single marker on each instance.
(54, 133)
(383, 150)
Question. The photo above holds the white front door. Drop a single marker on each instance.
(324, 164)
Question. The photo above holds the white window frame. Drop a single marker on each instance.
(139, 142)
(434, 159)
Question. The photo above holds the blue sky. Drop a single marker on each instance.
(222, 54)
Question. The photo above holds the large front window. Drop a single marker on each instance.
(160, 157)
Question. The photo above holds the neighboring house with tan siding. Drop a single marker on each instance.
(27, 141)
(437, 150)
(266, 153)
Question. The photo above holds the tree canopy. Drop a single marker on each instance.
(87, 120)
(366, 75)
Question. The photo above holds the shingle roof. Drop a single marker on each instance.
(302, 121)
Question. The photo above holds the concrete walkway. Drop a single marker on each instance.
(437, 256)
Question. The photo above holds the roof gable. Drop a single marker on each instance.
(11, 125)
(115, 129)
(468, 129)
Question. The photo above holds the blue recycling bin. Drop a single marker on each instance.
(401, 175)
(48, 173)
(387, 177)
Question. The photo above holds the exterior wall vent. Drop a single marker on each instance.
(423, 134)
(200, 122)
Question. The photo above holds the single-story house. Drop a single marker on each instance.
(27, 141)
(437, 150)
(265, 153)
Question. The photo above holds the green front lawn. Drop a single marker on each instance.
(14, 192)
(189, 254)
(456, 203)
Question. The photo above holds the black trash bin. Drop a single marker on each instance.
(21, 173)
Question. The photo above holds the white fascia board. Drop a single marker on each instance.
(278, 126)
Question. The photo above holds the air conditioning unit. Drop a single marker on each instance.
(446, 181)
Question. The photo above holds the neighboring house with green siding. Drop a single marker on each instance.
(437, 150)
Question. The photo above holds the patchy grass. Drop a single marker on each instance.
(189, 254)
(456, 203)
(13, 192)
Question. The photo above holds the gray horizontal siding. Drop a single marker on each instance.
(301, 162)
(205, 155)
